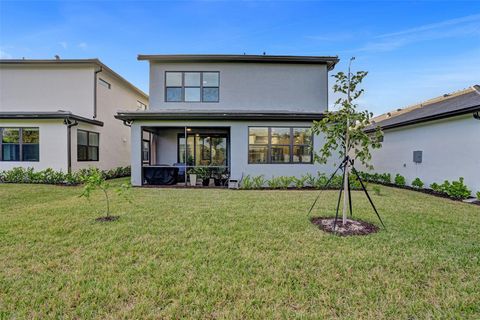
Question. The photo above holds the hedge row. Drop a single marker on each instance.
(288, 182)
(50, 176)
(455, 189)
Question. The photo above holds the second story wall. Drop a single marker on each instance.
(250, 86)
(30, 88)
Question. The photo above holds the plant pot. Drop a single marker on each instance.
(205, 182)
(193, 179)
(217, 182)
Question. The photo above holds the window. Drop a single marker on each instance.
(192, 86)
(141, 105)
(203, 149)
(104, 83)
(279, 145)
(146, 151)
(19, 144)
(87, 145)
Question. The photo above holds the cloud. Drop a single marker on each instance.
(63, 44)
(83, 45)
(459, 27)
(5, 55)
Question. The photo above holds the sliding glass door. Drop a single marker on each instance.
(203, 150)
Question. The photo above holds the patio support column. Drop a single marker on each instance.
(185, 146)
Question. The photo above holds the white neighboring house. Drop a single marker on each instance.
(59, 114)
(436, 140)
(241, 114)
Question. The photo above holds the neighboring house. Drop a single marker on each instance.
(59, 114)
(242, 115)
(436, 140)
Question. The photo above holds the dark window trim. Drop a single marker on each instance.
(20, 144)
(210, 135)
(88, 146)
(269, 145)
(183, 87)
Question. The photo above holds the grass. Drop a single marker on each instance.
(203, 253)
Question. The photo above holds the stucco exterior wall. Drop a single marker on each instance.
(239, 149)
(53, 145)
(250, 86)
(114, 135)
(451, 149)
(31, 88)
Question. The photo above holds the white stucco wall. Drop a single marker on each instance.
(114, 135)
(239, 149)
(251, 86)
(34, 88)
(53, 145)
(451, 149)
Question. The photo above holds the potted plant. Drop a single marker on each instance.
(204, 175)
(220, 177)
(192, 174)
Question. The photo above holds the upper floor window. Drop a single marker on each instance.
(192, 86)
(279, 145)
(104, 83)
(87, 145)
(19, 144)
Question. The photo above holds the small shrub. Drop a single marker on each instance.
(400, 180)
(258, 182)
(309, 179)
(417, 183)
(299, 182)
(285, 182)
(478, 195)
(246, 183)
(321, 181)
(436, 187)
(274, 183)
(376, 190)
(457, 189)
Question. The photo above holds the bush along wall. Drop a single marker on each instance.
(307, 181)
(50, 176)
(456, 190)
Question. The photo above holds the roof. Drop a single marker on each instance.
(93, 61)
(330, 61)
(48, 115)
(449, 105)
(217, 115)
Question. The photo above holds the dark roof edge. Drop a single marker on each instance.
(425, 119)
(94, 61)
(130, 116)
(48, 115)
(330, 61)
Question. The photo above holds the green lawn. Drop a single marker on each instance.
(203, 253)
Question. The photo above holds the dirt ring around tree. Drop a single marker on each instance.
(107, 219)
(351, 227)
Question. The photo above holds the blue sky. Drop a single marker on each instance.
(413, 50)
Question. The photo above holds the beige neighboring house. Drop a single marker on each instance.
(59, 114)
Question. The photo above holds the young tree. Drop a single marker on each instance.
(344, 130)
(95, 180)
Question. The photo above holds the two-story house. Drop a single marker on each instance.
(233, 114)
(59, 114)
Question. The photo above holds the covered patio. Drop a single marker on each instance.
(202, 159)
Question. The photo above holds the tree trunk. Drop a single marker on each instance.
(345, 194)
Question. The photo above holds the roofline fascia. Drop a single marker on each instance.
(330, 61)
(47, 116)
(218, 116)
(426, 119)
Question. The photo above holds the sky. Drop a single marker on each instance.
(413, 50)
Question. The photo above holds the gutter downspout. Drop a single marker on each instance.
(95, 92)
(69, 125)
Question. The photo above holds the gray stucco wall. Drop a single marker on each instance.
(239, 149)
(250, 86)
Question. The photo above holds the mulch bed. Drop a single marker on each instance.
(351, 227)
(107, 219)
